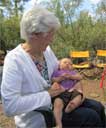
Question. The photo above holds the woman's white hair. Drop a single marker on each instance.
(38, 19)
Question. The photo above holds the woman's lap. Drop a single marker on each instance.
(97, 106)
(90, 103)
(89, 114)
(82, 117)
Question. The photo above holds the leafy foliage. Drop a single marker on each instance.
(79, 30)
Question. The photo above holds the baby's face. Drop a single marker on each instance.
(66, 64)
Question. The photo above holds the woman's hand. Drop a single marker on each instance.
(55, 89)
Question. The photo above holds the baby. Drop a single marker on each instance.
(66, 77)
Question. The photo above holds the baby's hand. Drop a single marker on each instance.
(66, 75)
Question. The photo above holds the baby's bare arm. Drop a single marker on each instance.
(74, 77)
(79, 87)
(58, 79)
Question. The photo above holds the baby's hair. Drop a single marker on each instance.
(60, 60)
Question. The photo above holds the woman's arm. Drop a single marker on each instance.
(14, 100)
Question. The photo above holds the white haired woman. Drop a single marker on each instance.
(26, 86)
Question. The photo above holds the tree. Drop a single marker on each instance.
(79, 31)
(65, 10)
(13, 7)
(9, 23)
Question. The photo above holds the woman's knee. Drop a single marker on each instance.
(93, 104)
(99, 108)
(83, 117)
(90, 118)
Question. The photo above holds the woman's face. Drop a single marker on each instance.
(43, 40)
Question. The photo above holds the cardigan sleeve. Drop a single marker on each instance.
(14, 102)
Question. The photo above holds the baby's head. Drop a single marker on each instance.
(66, 64)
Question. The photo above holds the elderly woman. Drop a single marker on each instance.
(26, 85)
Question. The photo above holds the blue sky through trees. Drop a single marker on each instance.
(87, 4)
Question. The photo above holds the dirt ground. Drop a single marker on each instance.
(91, 90)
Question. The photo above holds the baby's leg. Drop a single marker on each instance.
(58, 108)
(70, 107)
(74, 103)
